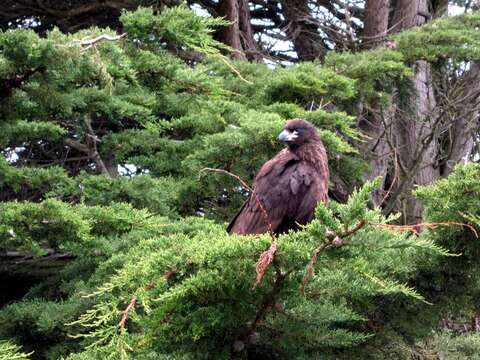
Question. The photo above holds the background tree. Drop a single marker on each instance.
(416, 136)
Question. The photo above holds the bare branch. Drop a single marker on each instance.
(92, 146)
(88, 43)
(125, 312)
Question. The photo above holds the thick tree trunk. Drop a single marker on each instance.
(250, 45)
(376, 122)
(376, 22)
(416, 142)
(111, 164)
(376, 125)
(408, 134)
(302, 30)
(467, 121)
(402, 140)
(238, 35)
(410, 13)
(415, 124)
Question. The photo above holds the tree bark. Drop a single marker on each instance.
(467, 121)
(376, 122)
(416, 142)
(375, 23)
(376, 125)
(402, 140)
(415, 123)
(410, 13)
(411, 132)
(250, 45)
(107, 166)
(302, 30)
(238, 35)
(111, 164)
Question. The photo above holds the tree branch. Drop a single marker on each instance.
(125, 312)
(333, 239)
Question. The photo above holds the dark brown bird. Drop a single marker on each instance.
(289, 186)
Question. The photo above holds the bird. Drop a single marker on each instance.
(289, 186)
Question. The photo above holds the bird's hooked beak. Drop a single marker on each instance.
(287, 136)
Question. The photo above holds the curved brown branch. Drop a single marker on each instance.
(125, 312)
(416, 227)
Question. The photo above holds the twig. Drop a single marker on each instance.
(347, 233)
(332, 240)
(246, 337)
(244, 184)
(268, 300)
(254, 194)
(227, 62)
(415, 227)
(125, 312)
(264, 262)
(88, 43)
(311, 264)
(91, 140)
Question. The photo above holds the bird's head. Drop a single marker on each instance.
(298, 132)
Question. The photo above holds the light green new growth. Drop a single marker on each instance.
(10, 351)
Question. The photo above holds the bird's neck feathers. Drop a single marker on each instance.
(312, 152)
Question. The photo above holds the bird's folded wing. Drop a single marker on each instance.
(284, 192)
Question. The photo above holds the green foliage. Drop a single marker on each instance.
(449, 283)
(375, 72)
(41, 324)
(58, 225)
(175, 25)
(30, 183)
(10, 351)
(17, 133)
(193, 292)
(187, 285)
(455, 199)
(451, 345)
(306, 83)
(158, 195)
(454, 37)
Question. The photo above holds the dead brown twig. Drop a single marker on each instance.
(416, 227)
(125, 312)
